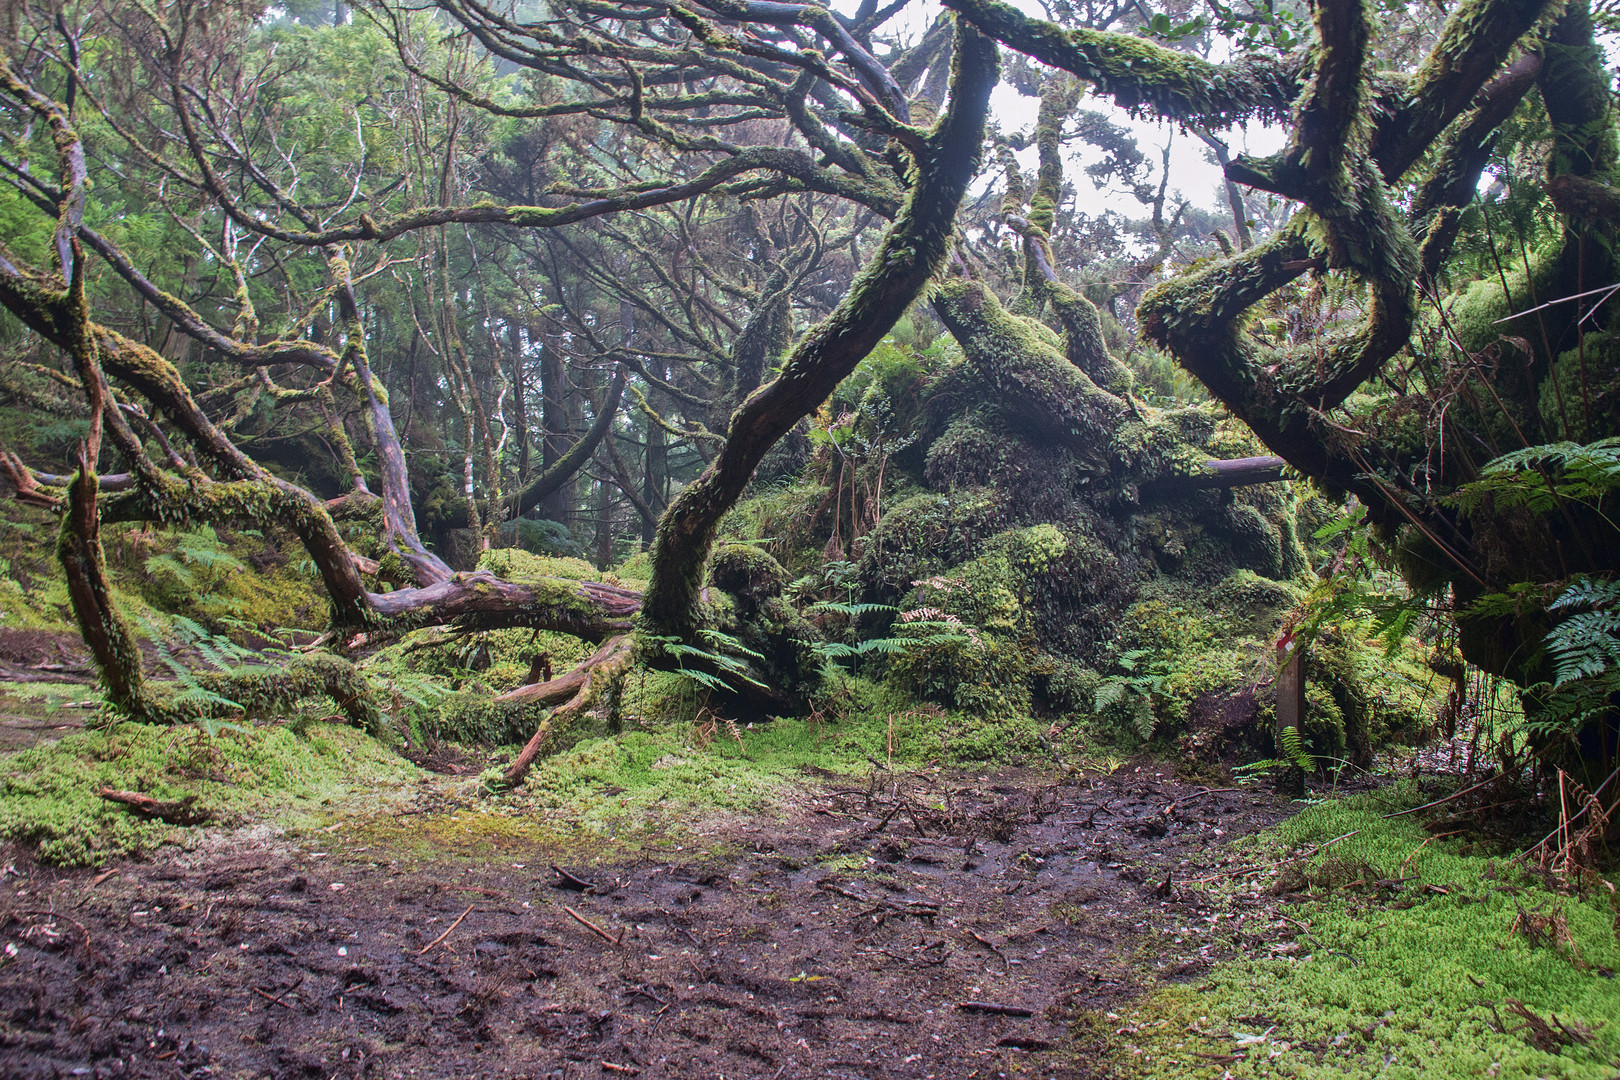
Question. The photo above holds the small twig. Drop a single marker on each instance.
(1328, 844)
(917, 824)
(1426, 843)
(1564, 825)
(277, 999)
(446, 933)
(992, 946)
(646, 992)
(583, 921)
(884, 824)
(992, 1007)
(614, 1066)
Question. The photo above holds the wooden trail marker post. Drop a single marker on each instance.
(1290, 710)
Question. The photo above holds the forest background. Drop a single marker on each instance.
(490, 373)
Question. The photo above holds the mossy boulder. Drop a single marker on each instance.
(745, 601)
(747, 573)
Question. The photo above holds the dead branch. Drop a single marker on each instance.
(597, 930)
(183, 812)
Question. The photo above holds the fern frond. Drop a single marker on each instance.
(834, 607)
(1583, 645)
(1588, 592)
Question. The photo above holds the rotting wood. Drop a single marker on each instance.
(569, 881)
(606, 664)
(183, 812)
(993, 1007)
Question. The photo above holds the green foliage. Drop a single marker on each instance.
(1552, 484)
(1127, 697)
(1538, 478)
(541, 536)
(1357, 588)
(197, 572)
(1587, 643)
(1413, 988)
(718, 664)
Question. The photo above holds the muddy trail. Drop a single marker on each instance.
(918, 926)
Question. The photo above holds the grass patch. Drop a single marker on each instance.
(48, 794)
(1414, 987)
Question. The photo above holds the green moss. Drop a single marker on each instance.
(1361, 697)
(48, 794)
(1388, 989)
(746, 572)
(781, 516)
(517, 565)
(637, 568)
(1581, 393)
(438, 685)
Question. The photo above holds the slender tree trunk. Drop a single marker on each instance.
(654, 478)
(604, 523)
(904, 263)
(560, 425)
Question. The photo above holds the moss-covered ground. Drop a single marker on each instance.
(1415, 979)
(673, 770)
(236, 775)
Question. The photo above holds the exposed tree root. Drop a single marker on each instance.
(577, 689)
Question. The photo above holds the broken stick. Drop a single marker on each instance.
(583, 921)
(992, 1007)
(447, 930)
(175, 813)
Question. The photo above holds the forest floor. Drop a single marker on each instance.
(929, 925)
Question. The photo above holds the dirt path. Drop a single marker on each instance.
(842, 943)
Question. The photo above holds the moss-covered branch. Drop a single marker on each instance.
(1142, 76)
(1020, 367)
